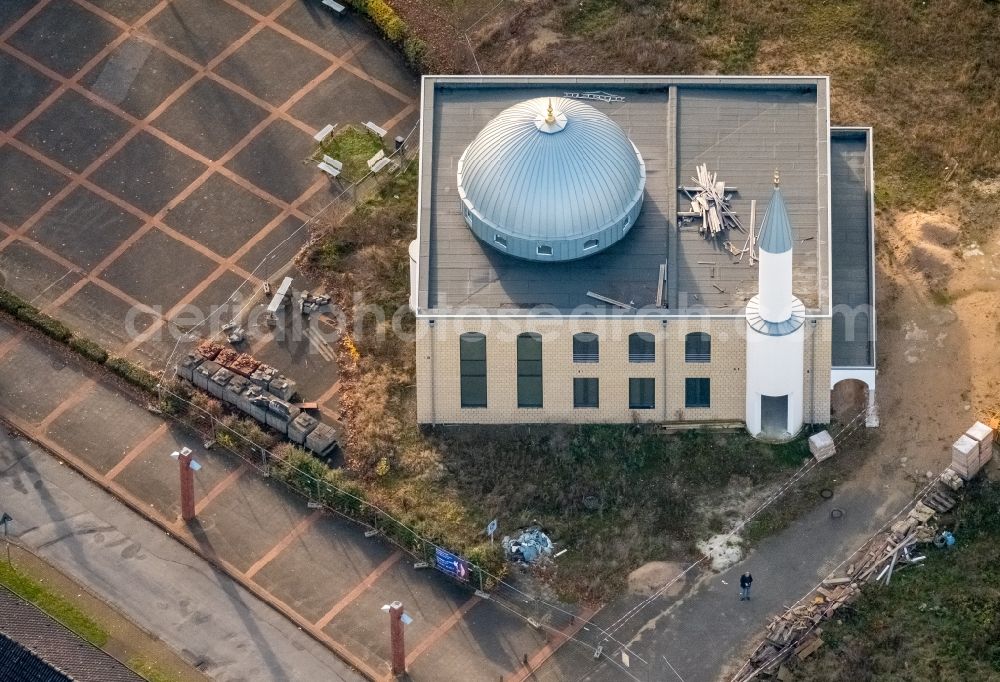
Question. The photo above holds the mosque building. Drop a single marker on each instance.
(564, 270)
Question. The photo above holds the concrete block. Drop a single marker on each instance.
(280, 413)
(283, 387)
(256, 402)
(821, 445)
(217, 385)
(204, 372)
(186, 367)
(300, 427)
(262, 377)
(235, 389)
(322, 440)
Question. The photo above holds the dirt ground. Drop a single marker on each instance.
(937, 327)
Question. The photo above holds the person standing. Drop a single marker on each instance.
(745, 581)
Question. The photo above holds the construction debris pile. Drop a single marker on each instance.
(258, 390)
(821, 446)
(310, 303)
(710, 201)
(528, 547)
(796, 634)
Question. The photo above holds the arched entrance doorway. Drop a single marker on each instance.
(848, 399)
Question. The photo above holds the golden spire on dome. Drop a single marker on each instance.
(777, 178)
(550, 117)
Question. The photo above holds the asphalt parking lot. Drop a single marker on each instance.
(152, 156)
(320, 570)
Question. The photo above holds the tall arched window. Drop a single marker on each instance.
(472, 360)
(698, 347)
(586, 347)
(529, 370)
(641, 347)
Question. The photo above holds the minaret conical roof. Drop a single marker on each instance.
(776, 230)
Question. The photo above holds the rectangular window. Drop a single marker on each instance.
(472, 358)
(641, 347)
(697, 347)
(641, 394)
(697, 393)
(586, 347)
(529, 370)
(585, 393)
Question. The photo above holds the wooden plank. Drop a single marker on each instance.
(659, 285)
(837, 581)
(810, 649)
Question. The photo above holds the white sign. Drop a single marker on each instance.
(491, 528)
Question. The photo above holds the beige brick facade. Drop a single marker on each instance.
(438, 373)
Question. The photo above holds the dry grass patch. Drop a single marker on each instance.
(926, 75)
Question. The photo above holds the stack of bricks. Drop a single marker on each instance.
(965, 457)
(821, 446)
(972, 451)
(982, 434)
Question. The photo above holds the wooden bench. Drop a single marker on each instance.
(330, 166)
(378, 130)
(336, 7)
(324, 133)
(378, 162)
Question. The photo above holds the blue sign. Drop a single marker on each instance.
(451, 564)
(491, 528)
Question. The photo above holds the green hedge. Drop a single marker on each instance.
(12, 302)
(394, 29)
(415, 51)
(50, 326)
(89, 349)
(133, 373)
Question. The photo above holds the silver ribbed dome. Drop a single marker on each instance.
(551, 180)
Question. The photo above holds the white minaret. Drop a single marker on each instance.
(775, 335)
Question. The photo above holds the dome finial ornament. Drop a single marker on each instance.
(550, 116)
(777, 178)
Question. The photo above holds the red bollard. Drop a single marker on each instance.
(187, 486)
(396, 638)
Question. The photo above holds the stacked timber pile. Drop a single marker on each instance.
(821, 446)
(710, 201)
(796, 634)
(972, 451)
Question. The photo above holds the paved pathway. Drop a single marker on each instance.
(315, 568)
(695, 634)
(213, 622)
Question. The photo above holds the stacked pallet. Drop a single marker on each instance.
(821, 445)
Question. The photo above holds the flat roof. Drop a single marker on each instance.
(743, 128)
(852, 248)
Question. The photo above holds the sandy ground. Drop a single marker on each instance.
(937, 327)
